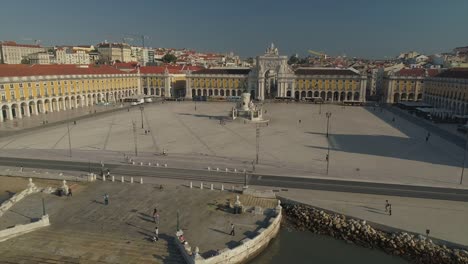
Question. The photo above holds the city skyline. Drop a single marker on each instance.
(363, 29)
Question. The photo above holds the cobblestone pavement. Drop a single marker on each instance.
(84, 229)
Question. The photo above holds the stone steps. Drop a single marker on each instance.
(93, 245)
(248, 200)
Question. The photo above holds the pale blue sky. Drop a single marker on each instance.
(363, 28)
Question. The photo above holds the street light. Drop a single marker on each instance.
(328, 115)
(464, 158)
(141, 110)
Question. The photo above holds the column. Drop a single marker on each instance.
(57, 106)
(188, 89)
(293, 88)
(10, 113)
(35, 109)
(65, 105)
(1, 114)
(27, 111)
(18, 112)
(261, 90)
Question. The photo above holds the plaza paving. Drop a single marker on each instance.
(85, 230)
(445, 219)
(365, 144)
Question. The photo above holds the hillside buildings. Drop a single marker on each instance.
(13, 53)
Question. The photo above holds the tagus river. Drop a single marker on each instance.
(291, 246)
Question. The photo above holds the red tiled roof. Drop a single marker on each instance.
(21, 70)
(324, 71)
(125, 65)
(416, 72)
(173, 69)
(458, 73)
(223, 71)
(12, 43)
(433, 72)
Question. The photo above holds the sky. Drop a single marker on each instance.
(356, 28)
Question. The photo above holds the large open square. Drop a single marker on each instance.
(365, 143)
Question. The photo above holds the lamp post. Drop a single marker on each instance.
(328, 115)
(178, 223)
(141, 110)
(464, 158)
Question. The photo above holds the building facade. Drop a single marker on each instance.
(448, 92)
(39, 58)
(67, 55)
(114, 52)
(272, 77)
(13, 53)
(406, 84)
(165, 81)
(27, 90)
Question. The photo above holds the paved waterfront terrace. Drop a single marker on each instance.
(365, 144)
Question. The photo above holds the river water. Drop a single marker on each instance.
(296, 247)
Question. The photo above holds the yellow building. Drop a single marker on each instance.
(217, 82)
(27, 90)
(165, 81)
(333, 85)
(448, 92)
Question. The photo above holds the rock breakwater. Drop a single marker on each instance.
(414, 248)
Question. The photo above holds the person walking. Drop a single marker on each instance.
(386, 206)
(106, 199)
(389, 209)
(155, 213)
(70, 191)
(233, 233)
(156, 234)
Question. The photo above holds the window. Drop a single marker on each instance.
(21, 93)
(51, 83)
(3, 96)
(20, 85)
(29, 85)
(11, 86)
(12, 95)
(38, 91)
(2, 87)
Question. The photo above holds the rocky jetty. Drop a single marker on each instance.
(414, 248)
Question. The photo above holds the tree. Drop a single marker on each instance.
(249, 60)
(294, 59)
(169, 58)
(25, 61)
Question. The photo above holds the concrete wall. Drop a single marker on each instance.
(248, 249)
(16, 198)
(23, 229)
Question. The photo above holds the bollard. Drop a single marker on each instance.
(131, 179)
(235, 170)
(133, 163)
(191, 185)
(209, 168)
(227, 169)
(244, 170)
(61, 174)
(149, 163)
(201, 186)
(123, 180)
(233, 188)
(103, 177)
(222, 187)
(113, 178)
(217, 169)
(141, 180)
(165, 165)
(211, 187)
(157, 164)
(141, 163)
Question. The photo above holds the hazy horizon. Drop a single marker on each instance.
(364, 28)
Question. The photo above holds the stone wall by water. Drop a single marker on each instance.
(415, 248)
